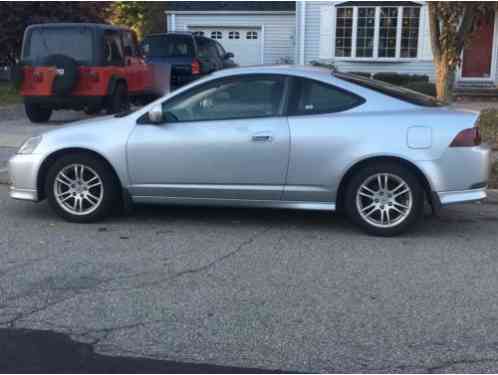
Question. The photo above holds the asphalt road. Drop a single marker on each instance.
(273, 289)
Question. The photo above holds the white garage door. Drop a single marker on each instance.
(244, 43)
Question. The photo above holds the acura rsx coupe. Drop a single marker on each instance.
(282, 137)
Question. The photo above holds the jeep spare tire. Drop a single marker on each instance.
(67, 73)
(17, 76)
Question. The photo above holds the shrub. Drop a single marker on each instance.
(488, 123)
(426, 88)
(400, 79)
(362, 74)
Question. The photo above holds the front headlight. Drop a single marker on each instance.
(30, 145)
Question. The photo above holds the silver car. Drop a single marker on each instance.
(280, 136)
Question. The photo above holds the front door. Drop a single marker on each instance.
(226, 139)
(478, 55)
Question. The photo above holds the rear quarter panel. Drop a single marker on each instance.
(324, 147)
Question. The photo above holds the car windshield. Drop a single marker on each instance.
(74, 42)
(397, 92)
(168, 46)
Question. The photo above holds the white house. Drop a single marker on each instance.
(256, 32)
(358, 36)
(386, 36)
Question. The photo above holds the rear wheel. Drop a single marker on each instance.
(37, 113)
(384, 199)
(81, 188)
(119, 100)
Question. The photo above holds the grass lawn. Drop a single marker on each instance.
(8, 95)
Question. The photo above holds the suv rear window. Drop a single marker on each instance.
(74, 42)
(169, 46)
(397, 92)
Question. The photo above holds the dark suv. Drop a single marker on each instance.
(190, 56)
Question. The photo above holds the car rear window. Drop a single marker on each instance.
(168, 46)
(397, 92)
(74, 42)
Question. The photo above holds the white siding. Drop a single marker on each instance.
(312, 50)
(278, 30)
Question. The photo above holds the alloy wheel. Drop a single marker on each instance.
(384, 200)
(78, 189)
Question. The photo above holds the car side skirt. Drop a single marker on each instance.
(320, 206)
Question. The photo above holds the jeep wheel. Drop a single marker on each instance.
(37, 113)
(119, 100)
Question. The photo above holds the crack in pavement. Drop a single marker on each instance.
(11, 323)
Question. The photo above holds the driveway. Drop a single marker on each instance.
(274, 289)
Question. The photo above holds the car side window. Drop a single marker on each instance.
(228, 98)
(113, 49)
(221, 50)
(212, 50)
(128, 44)
(314, 97)
(202, 47)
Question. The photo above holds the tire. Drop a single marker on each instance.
(63, 83)
(62, 197)
(371, 209)
(37, 113)
(119, 100)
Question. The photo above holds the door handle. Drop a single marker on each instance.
(262, 138)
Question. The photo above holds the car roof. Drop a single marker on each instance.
(102, 26)
(299, 70)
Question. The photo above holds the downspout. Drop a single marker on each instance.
(173, 22)
(302, 27)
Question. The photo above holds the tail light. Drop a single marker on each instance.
(196, 67)
(467, 138)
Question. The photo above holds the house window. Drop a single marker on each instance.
(387, 32)
(371, 32)
(199, 33)
(233, 35)
(409, 32)
(216, 34)
(365, 32)
(251, 35)
(344, 32)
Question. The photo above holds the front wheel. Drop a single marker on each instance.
(36, 113)
(81, 188)
(384, 199)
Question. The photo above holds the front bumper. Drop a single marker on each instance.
(23, 175)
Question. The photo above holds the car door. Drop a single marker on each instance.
(225, 139)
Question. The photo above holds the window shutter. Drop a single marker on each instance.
(425, 34)
(326, 31)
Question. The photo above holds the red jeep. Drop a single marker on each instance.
(81, 66)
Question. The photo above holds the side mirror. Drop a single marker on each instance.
(156, 115)
(229, 55)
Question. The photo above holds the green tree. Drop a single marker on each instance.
(142, 16)
(451, 25)
(16, 16)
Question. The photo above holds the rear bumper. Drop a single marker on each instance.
(452, 197)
